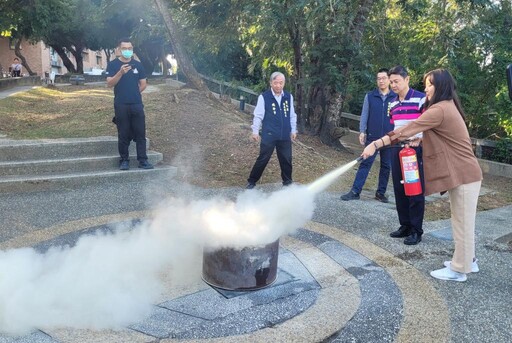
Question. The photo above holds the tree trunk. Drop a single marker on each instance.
(331, 132)
(324, 112)
(147, 63)
(326, 102)
(298, 78)
(295, 35)
(17, 52)
(165, 63)
(184, 62)
(108, 54)
(65, 59)
(77, 53)
(316, 109)
(358, 25)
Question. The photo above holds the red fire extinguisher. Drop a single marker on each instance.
(410, 172)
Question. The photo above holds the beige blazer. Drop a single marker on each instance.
(448, 158)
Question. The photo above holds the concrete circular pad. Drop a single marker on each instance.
(332, 286)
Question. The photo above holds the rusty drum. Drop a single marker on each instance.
(249, 268)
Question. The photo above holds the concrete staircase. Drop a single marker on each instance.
(27, 165)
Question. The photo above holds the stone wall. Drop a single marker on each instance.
(20, 81)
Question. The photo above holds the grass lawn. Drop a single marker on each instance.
(64, 112)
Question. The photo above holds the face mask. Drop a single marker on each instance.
(127, 53)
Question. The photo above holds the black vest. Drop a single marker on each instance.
(378, 119)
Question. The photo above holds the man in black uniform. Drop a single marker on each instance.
(128, 78)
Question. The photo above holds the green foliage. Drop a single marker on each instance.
(504, 108)
(329, 48)
(470, 38)
(213, 38)
(87, 24)
(503, 151)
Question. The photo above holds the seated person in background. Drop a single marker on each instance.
(16, 68)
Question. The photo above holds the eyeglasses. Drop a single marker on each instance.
(126, 49)
(384, 78)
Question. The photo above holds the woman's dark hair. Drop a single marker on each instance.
(444, 85)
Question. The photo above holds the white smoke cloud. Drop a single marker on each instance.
(105, 281)
(108, 281)
(111, 280)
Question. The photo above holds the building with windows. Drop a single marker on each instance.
(42, 59)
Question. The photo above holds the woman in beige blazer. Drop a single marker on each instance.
(449, 165)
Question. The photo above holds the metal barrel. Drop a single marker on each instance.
(249, 268)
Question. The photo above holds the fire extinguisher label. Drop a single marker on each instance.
(410, 166)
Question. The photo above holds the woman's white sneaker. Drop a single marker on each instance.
(448, 274)
(474, 266)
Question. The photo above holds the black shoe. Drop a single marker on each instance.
(412, 239)
(350, 196)
(145, 165)
(250, 185)
(288, 183)
(381, 197)
(124, 165)
(403, 231)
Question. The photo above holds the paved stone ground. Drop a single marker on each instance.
(341, 278)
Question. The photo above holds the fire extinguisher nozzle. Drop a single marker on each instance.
(359, 159)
